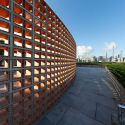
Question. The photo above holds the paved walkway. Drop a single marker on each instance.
(89, 101)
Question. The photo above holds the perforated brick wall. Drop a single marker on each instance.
(37, 60)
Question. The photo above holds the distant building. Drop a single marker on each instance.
(124, 59)
(101, 59)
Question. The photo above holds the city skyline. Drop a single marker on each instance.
(94, 23)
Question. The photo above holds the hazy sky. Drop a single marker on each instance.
(95, 24)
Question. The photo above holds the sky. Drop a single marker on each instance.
(96, 25)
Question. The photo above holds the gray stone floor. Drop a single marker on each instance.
(89, 101)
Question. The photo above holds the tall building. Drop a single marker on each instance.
(38, 60)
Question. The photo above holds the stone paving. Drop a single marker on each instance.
(89, 101)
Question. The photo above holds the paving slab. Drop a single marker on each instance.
(55, 115)
(45, 121)
(74, 117)
(89, 101)
(103, 114)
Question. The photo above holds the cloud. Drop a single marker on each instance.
(83, 51)
(110, 45)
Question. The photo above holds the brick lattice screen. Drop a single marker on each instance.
(37, 60)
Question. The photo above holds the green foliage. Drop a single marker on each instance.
(118, 69)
